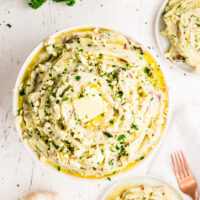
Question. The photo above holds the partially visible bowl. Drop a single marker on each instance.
(112, 191)
(164, 43)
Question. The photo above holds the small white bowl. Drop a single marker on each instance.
(164, 43)
(135, 169)
(146, 180)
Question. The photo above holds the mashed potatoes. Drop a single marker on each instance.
(92, 102)
(182, 18)
(147, 192)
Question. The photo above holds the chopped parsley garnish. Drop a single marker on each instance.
(58, 168)
(77, 78)
(164, 13)
(147, 71)
(134, 126)
(9, 25)
(111, 121)
(32, 104)
(120, 94)
(81, 96)
(121, 137)
(22, 92)
(37, 3)
(107, 134)
(136, 48)
(53, 94)
(117, 147)
(46, 141)
(65, 99)
(89, 45)
(110, 162)
(58, 75)
(179, 5)
(142, 157)
(183, 59)
(109, 178)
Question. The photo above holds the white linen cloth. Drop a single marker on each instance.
(183, 133)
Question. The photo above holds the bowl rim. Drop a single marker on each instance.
(54, 170)
(157, 33)
(138, 177)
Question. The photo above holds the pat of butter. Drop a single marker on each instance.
(88, 107)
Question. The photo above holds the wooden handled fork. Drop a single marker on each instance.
(184, 175)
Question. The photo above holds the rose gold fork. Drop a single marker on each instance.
(184, 175)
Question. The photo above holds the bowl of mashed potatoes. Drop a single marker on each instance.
(91, 102)
(178, 33)
(142, 187)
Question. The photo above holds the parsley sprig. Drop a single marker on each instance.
(37, 3)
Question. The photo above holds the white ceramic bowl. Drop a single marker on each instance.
(164, 43)
(148, 180)
(136, 168)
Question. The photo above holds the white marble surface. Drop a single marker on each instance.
(29, 27)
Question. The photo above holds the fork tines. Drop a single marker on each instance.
(180, 165)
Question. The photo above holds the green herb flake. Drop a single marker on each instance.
(136, 48)
(134, 126)
(22, 92)
(107, 134)
(121, 137)
(81, 96)
(53, 94)
(179, 5)
(9, 25)
(78, 78)
(58, 75)
(120, 94)
(109, 178)
(142, 158)
(111, 121)
(147, 71)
